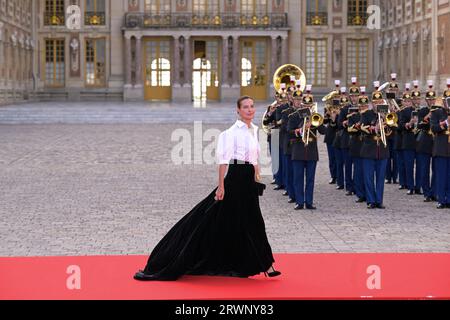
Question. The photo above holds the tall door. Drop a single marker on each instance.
(205, 77)
(254, 71)
(157, 69)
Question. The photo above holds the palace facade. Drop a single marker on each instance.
(197, 50)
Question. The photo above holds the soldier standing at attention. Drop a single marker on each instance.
(424, 144)
(375, 155)
(305, 154)
(440, 126)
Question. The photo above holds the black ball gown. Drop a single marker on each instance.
(217, 238)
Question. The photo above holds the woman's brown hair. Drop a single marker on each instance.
(243, 98)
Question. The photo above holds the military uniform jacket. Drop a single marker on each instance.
(286, 145)
(441, 147)
(408, 136)
(300, 152)
(424, 140)
(269, 120)
(355, 142)
(398, 135)
(330, 131)
(342, 136)
(279, 120)
(373, 147)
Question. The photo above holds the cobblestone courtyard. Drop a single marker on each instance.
(81, 179)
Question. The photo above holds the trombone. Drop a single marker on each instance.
(315, 120)
(382, 131)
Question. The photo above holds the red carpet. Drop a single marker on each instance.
(305, 276)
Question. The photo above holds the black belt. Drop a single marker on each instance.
(234, 161)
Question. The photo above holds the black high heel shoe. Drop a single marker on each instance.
(273, 273)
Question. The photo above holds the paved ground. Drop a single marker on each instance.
(73, 188)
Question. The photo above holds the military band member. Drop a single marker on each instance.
(287, 149)
(407, 125)
(430, 98)
(354, 94)
(424, 144)
(330, 122)
(355, 145)
(375, 154)
(281, 185)
(340, 163)
(446, 95)
(398, 135)
(440, 126)
(392, 167)
(305, 154)
(270, 121)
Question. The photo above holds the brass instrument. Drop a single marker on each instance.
(316, 120)
(382, 131)
(283, 75)
(268, 128)
(392, 119)
(329, 107)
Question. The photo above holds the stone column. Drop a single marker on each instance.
(139, 75)
(225, 79)
(435, 48)
(176, 61)
(127, 61)
(236, 65)
(274, 62)
(284, 50)
(187, 62)
(2, 58)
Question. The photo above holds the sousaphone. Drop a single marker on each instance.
(283, 75)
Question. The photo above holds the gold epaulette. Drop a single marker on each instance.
(280, 122)
(352, 129)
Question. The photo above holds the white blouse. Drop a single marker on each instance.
(238, 143)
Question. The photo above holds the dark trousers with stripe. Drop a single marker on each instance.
(348, 170)
(339, 167)
(279, 178)
(401, 168)
(391, 168)
(408, 158)
(332, 161)
(288, 176)
(433, 177)
(374, 174)
(358, 177)
(304, 176)
(443, 180)
(423, 166)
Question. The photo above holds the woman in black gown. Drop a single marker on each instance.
(223, 235)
